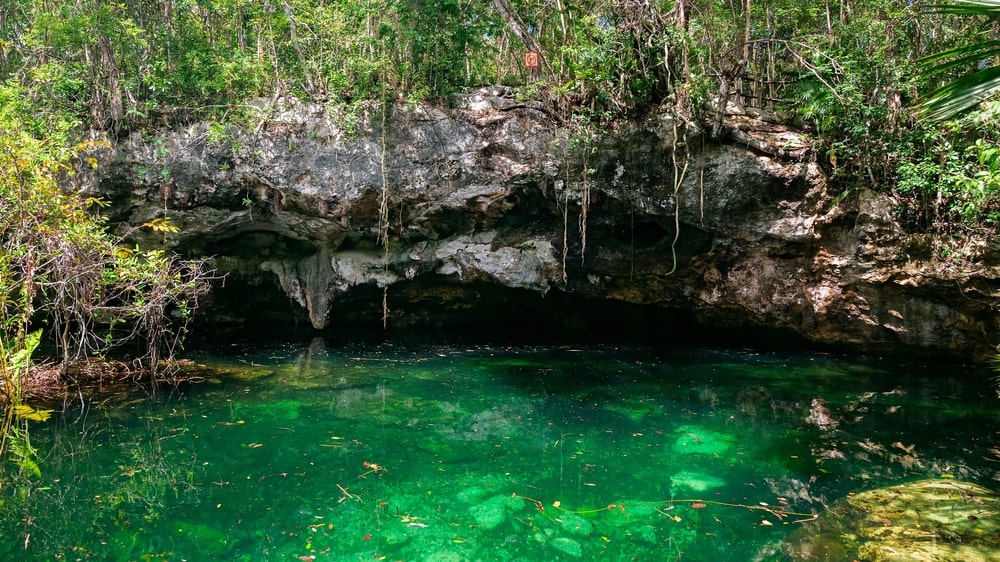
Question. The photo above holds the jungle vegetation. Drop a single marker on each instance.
(851, 72)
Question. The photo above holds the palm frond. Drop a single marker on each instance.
(961, 95)
(960, 56)
(967, 8)
(965, 93)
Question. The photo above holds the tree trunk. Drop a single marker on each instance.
(514, 22)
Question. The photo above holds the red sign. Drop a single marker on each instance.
(531, 59)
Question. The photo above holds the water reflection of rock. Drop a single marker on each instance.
(929, 520)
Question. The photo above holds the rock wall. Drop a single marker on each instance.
(742, 234)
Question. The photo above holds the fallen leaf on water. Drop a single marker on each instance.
(766, 523)
(698, 506)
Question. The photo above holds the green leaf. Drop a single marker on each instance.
(967, 8)
(967, 92)
(961, 95)
(21, 359)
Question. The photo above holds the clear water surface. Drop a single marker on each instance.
(490, 453)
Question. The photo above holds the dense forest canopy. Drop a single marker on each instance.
(849, 70)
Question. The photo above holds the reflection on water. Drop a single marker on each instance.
(491, 454)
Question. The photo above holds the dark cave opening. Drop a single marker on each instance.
(434, 309)
(249, 303)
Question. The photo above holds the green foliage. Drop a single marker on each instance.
(57, 260)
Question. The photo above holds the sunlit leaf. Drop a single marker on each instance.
(161, 225)
(27, 412)
(31, 466)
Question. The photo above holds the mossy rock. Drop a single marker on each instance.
(630, 512)
(644, 533)
(924, 521)
(392, 539)
(567, 546)
(192, 371)
(445, 556)
(573, 524)
(470, 495)
(493, 512)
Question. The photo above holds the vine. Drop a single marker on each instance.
(682, 111)
(680, 170)
(581, 141)
(585, 195)
(383, 209)
(383, 214)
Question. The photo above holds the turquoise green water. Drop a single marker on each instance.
(490, 453)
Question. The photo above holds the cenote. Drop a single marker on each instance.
(486, 452)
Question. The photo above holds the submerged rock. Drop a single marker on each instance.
(924, 521)
(567, 546)
(694, 481)
(700, 440)
(574, 524)
(494, 511)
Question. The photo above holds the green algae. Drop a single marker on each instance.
(573, 524)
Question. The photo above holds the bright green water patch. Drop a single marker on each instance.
(491, 454)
